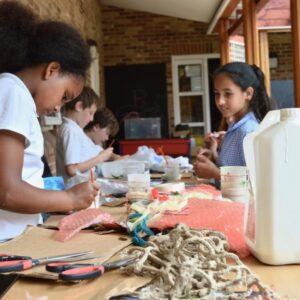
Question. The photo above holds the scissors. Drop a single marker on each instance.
(75, 272)
(7, 257)
(11, 264)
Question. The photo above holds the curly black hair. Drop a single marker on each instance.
(28, 41)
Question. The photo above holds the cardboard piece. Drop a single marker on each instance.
(38, 242)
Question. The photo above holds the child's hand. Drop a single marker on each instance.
(83, 194)
(205, 168)
(213, 139)
(205, 152)
(105, 154)
(123, 157)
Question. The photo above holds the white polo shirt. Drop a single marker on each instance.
(18, 114)
(73, 146)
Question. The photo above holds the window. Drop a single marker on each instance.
(191, 92)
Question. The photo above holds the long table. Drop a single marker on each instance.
(283, 279)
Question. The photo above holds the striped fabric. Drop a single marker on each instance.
(231, 152)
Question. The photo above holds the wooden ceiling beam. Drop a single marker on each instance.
(230, 8)
(236, 26)
(224, 41)
(260, 4)
(250, 32)
(295, 20)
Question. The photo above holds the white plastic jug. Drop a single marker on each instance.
(272, 217)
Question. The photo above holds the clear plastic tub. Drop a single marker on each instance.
(138, 182)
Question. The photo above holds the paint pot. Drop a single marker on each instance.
(172, 171)
(234, 183)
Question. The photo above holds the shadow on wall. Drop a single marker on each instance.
(282, 92)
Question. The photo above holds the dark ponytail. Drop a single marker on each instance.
(244, 76)
(261, 102)
(26, 41)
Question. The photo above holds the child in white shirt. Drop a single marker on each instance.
(42, 66)
(74, 153)
(100, 129)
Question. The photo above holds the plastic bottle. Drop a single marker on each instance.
(272, 217)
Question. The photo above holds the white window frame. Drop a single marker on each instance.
(178, 60)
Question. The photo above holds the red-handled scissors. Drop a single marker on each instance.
(24, 264)
(75, 272)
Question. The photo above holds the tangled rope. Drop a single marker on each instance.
(194, 264)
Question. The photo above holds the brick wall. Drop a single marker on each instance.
(132, 37)
(85, 15)
(281, 44)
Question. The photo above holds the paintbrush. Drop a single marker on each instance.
(92, 176)
(161, 151)
(111, 143)
(92, 179)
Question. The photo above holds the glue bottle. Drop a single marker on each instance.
(272, 216)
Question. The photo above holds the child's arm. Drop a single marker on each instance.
(82, 167)
(115, 156)
(18, 196)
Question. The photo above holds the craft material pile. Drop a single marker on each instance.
(195, 264)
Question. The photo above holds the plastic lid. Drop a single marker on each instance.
(290, 114)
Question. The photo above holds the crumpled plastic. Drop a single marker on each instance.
(157, 162)
(112, 187)
(227, 217)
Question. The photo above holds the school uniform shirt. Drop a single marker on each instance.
(73, 147)
(18, 114)
(232, 152)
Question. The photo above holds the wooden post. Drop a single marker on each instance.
(295, 20)
(250, 32)
(264, 57)
(224, 40)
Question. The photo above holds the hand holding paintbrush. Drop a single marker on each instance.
(111, 143)
(92, 180)
(160, 150)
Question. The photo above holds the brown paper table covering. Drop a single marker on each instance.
(283, 279)
(38, 242)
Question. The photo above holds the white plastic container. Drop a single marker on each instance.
(139, 182)
(272, 217)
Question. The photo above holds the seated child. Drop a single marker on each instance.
(74, 154)
(241, 97)
(42, 66)
(101, 128)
